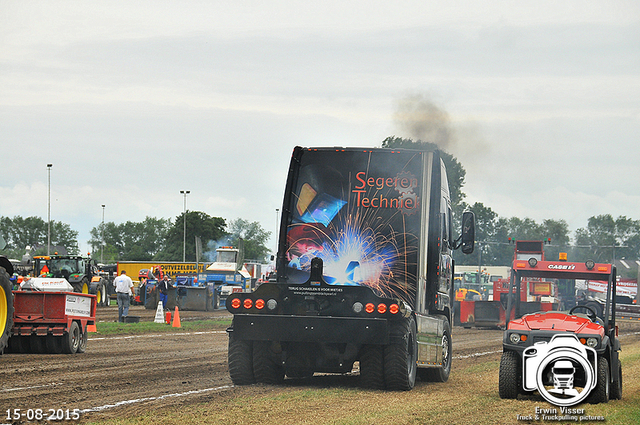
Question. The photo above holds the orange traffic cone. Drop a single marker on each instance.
(176, 319)
(92, 328)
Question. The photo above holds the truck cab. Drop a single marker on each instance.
(364, 273)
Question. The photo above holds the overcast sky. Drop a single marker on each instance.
(134, 101)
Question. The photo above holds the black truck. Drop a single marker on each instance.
(364, 273)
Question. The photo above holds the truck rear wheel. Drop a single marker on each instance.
(400, 356)
(510, 375)
(266, 367)
(240, 358)
(372, 367)
(6, 308)
(600, 394)
(71, 340)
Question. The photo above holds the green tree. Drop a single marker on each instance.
(455, 171)
(606, 239)
(129, 241)
(21, 232)
(254, 239)
(198, 224)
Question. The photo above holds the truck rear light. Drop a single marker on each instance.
(369, 308)
(357, 307)
(394, 308)
(236, 303)
(247, 303)
(259, 304)
(382, 308)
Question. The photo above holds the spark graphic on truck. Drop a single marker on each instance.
(364, 273)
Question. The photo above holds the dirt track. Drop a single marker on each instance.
(122, 376)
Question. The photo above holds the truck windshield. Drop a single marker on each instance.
(360, 212)
(226, 256)
(64, 266)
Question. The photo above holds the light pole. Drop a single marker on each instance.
(184, 231)
(49, 208)
(102, 244)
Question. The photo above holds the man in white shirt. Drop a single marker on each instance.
(123, 284)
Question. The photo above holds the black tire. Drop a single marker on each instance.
(441, 374)
(71, 339)
(6, 308)
(101, 294)
(616, 388)
(600, 394)
(240, 358)
(400, 356)
(510, 376)
(82, 346)
(266, 367)
(54, 344)
(372, 367)
(597, 308)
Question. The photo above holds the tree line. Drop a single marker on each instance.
(149, 240)
(604, 239)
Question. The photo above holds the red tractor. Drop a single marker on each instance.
(566, 357)
(536, 294)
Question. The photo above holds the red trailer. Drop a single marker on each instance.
(51, 322)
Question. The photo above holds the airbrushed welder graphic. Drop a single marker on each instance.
(562, 370)
(359, 246)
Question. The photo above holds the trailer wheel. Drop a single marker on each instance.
(372, 367)
(71, 339)
(400, 356)
(616, 388)
(510, 375)
(266, 367)
(82, 345)
(600, 394)
(54, 344)
(6, 308)
(240, 358)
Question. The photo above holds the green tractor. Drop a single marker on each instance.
(80, 272)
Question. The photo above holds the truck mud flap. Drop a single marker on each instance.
(311, 329)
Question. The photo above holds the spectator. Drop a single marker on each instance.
(163, 287)
(123, 284)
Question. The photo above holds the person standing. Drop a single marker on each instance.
(163, 287)
(123, 284)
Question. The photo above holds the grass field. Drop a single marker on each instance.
(469, 397)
